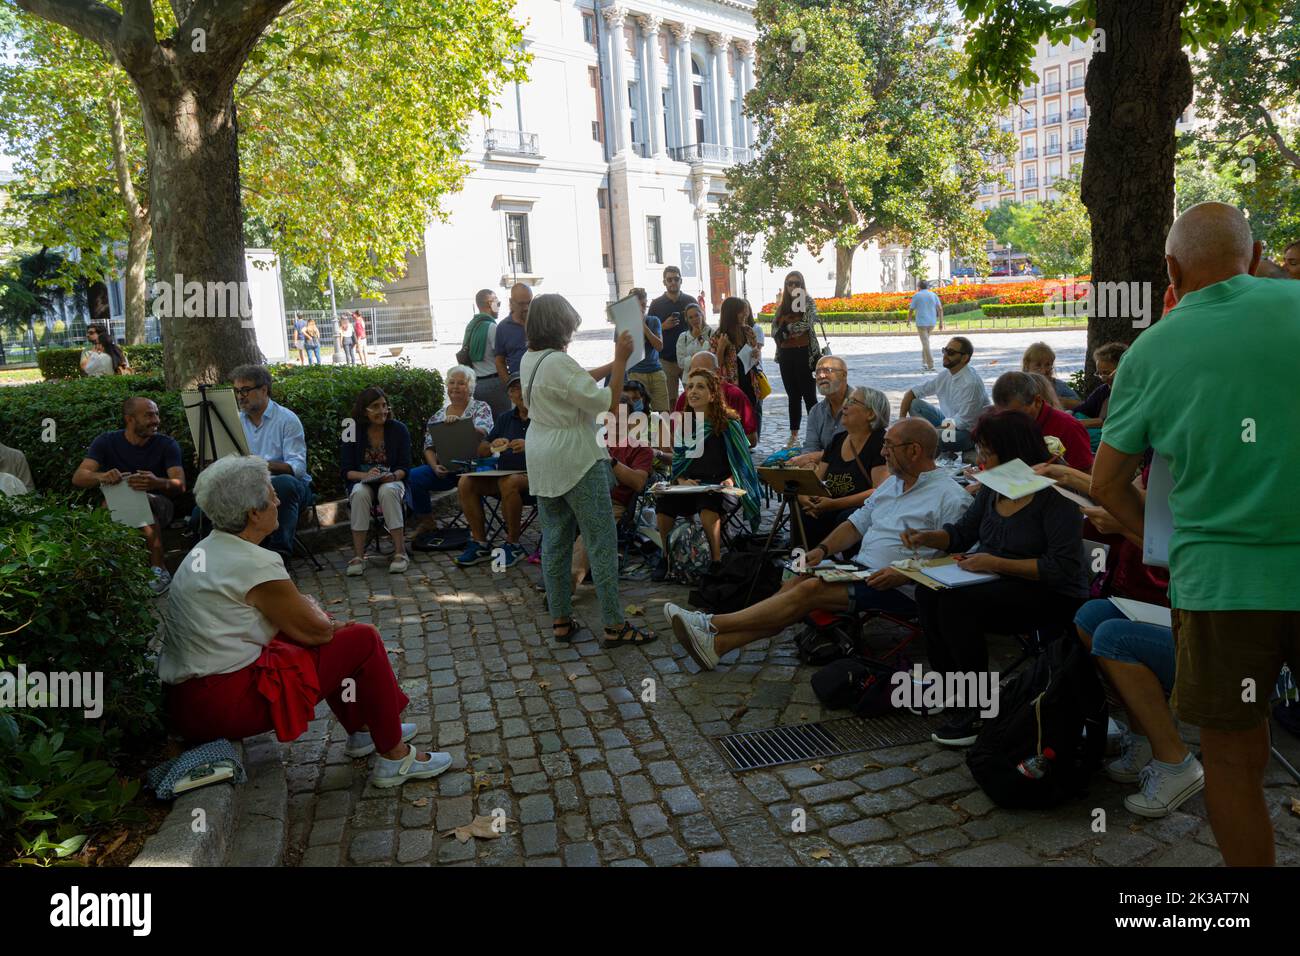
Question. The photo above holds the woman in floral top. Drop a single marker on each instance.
(434, 476)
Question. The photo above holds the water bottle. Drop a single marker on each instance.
(1035, 767)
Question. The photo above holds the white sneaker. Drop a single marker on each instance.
(394, 773)
(1134, 754)
(399, 564)
(695, 633)
(361, 744)
(162, 580)
(356, 567)
(1161, 792)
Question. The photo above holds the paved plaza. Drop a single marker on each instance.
(604, 757)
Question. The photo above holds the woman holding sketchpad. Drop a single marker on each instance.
(1031, 548)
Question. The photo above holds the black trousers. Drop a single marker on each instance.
(797, 378)
(955, 620)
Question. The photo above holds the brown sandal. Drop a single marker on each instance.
(637, 637)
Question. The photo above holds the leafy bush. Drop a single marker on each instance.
(82, 408)
(74, 598)
(1013, 311)
(144, 359)
(59, 364)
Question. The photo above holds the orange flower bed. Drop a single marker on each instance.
(1008, 293)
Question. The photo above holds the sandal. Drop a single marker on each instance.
(572, 626)
(637, 637)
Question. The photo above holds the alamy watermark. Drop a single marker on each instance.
(74, 690)
(929, 690)
(655, 429)
(203, 300)
(1115, 300)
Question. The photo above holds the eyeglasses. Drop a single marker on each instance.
(948, 351)
(895, 445)
(829, 370)
(241, 392)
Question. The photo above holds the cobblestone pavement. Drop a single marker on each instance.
(593, 770)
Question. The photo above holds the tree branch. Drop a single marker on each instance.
(137, 47)
(1289, 154)
(232, 29)
(121, 159)
(94, 21)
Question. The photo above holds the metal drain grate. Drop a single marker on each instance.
(792, 743)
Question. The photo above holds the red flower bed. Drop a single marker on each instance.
(1014, 293)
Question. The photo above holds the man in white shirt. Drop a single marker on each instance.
(915, 492)
(276, 434)
(925, 310)
(14, 463)
(961, 394)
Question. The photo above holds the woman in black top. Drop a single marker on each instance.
(853, 465)
(375, 466)
(1034, 544)
(792, 329)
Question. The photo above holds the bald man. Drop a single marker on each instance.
(915, 495)
(147, 461)
(731, 394)
(512, 337)
(1213, 391)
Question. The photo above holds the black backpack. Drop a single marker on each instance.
(726, 590)
(1049, 735)
(862, 686)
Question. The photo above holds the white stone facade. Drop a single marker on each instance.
(585, 183)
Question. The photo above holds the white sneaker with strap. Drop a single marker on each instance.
(394, 773)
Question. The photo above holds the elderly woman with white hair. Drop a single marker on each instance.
(246, 652)
(853, 465)
(435, 475)
(569, 472)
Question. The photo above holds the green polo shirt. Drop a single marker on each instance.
(1215, 389)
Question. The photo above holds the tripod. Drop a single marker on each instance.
(789, 500)
(207, 439)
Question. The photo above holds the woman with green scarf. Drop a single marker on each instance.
(719, 455)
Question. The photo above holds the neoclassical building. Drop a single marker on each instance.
(606, 164)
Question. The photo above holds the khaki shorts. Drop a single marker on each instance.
(1225, 656)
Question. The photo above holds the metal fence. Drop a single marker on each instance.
(21, 345)
(384, 326)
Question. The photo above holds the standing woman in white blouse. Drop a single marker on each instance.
(568, 470)
(103, 357)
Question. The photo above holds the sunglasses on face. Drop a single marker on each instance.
(954, 352)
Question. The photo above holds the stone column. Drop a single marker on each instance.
(654, 84)
(615, 18)
(746, 49)
(682, 33)
(722, 77)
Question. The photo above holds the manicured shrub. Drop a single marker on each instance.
(74, 600)
(54, 422)
(59, 364)
(144, 359)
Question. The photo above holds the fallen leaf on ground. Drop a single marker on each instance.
(482, 781)
(573, 677)
(397, 650)
(121, 838)
(543, 684)
(335, 601)
(634, 609)
(1295, 806)
(422, 802)
(818, 767)
(822, 854)
(480, 827)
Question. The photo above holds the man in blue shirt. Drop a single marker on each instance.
(925, 310)
(276, 434)
(668, 309)
(512, 336)
(148, 461)
(650, 371)
(507, 441)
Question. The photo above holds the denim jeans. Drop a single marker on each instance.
(423, 480)
(313, 351)
(923, 409)
(1116, 638)
(294, 494)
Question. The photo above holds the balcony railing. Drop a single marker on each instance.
(987, 189)
(1029, 92)
(1007, 126)
(1076, 82)
(711, 153)
(1052, 149)
(1079, 112)
(1028, 122)
(1050, 88)
(1076, 145)
(511, 141)
(1030, 182)
(1029, 152)
(1052, 120)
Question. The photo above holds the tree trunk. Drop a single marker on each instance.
(844, 270)
(197, 218)
(1136, 90)
(134, 292)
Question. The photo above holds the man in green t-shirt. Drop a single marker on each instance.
(1212, 388)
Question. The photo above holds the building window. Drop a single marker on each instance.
(598, 124)
(633, 113)
(589, 28)
(654, 240)
(667, 97)
(517, 248)
(697, 91)
(606, 240)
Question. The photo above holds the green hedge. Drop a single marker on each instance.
(71, 413)
(74, 599)
(1015, 311)
(63, 364)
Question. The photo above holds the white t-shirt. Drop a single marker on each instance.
(961, 397)
(100, 363)
(563, 403)
(209, 626)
